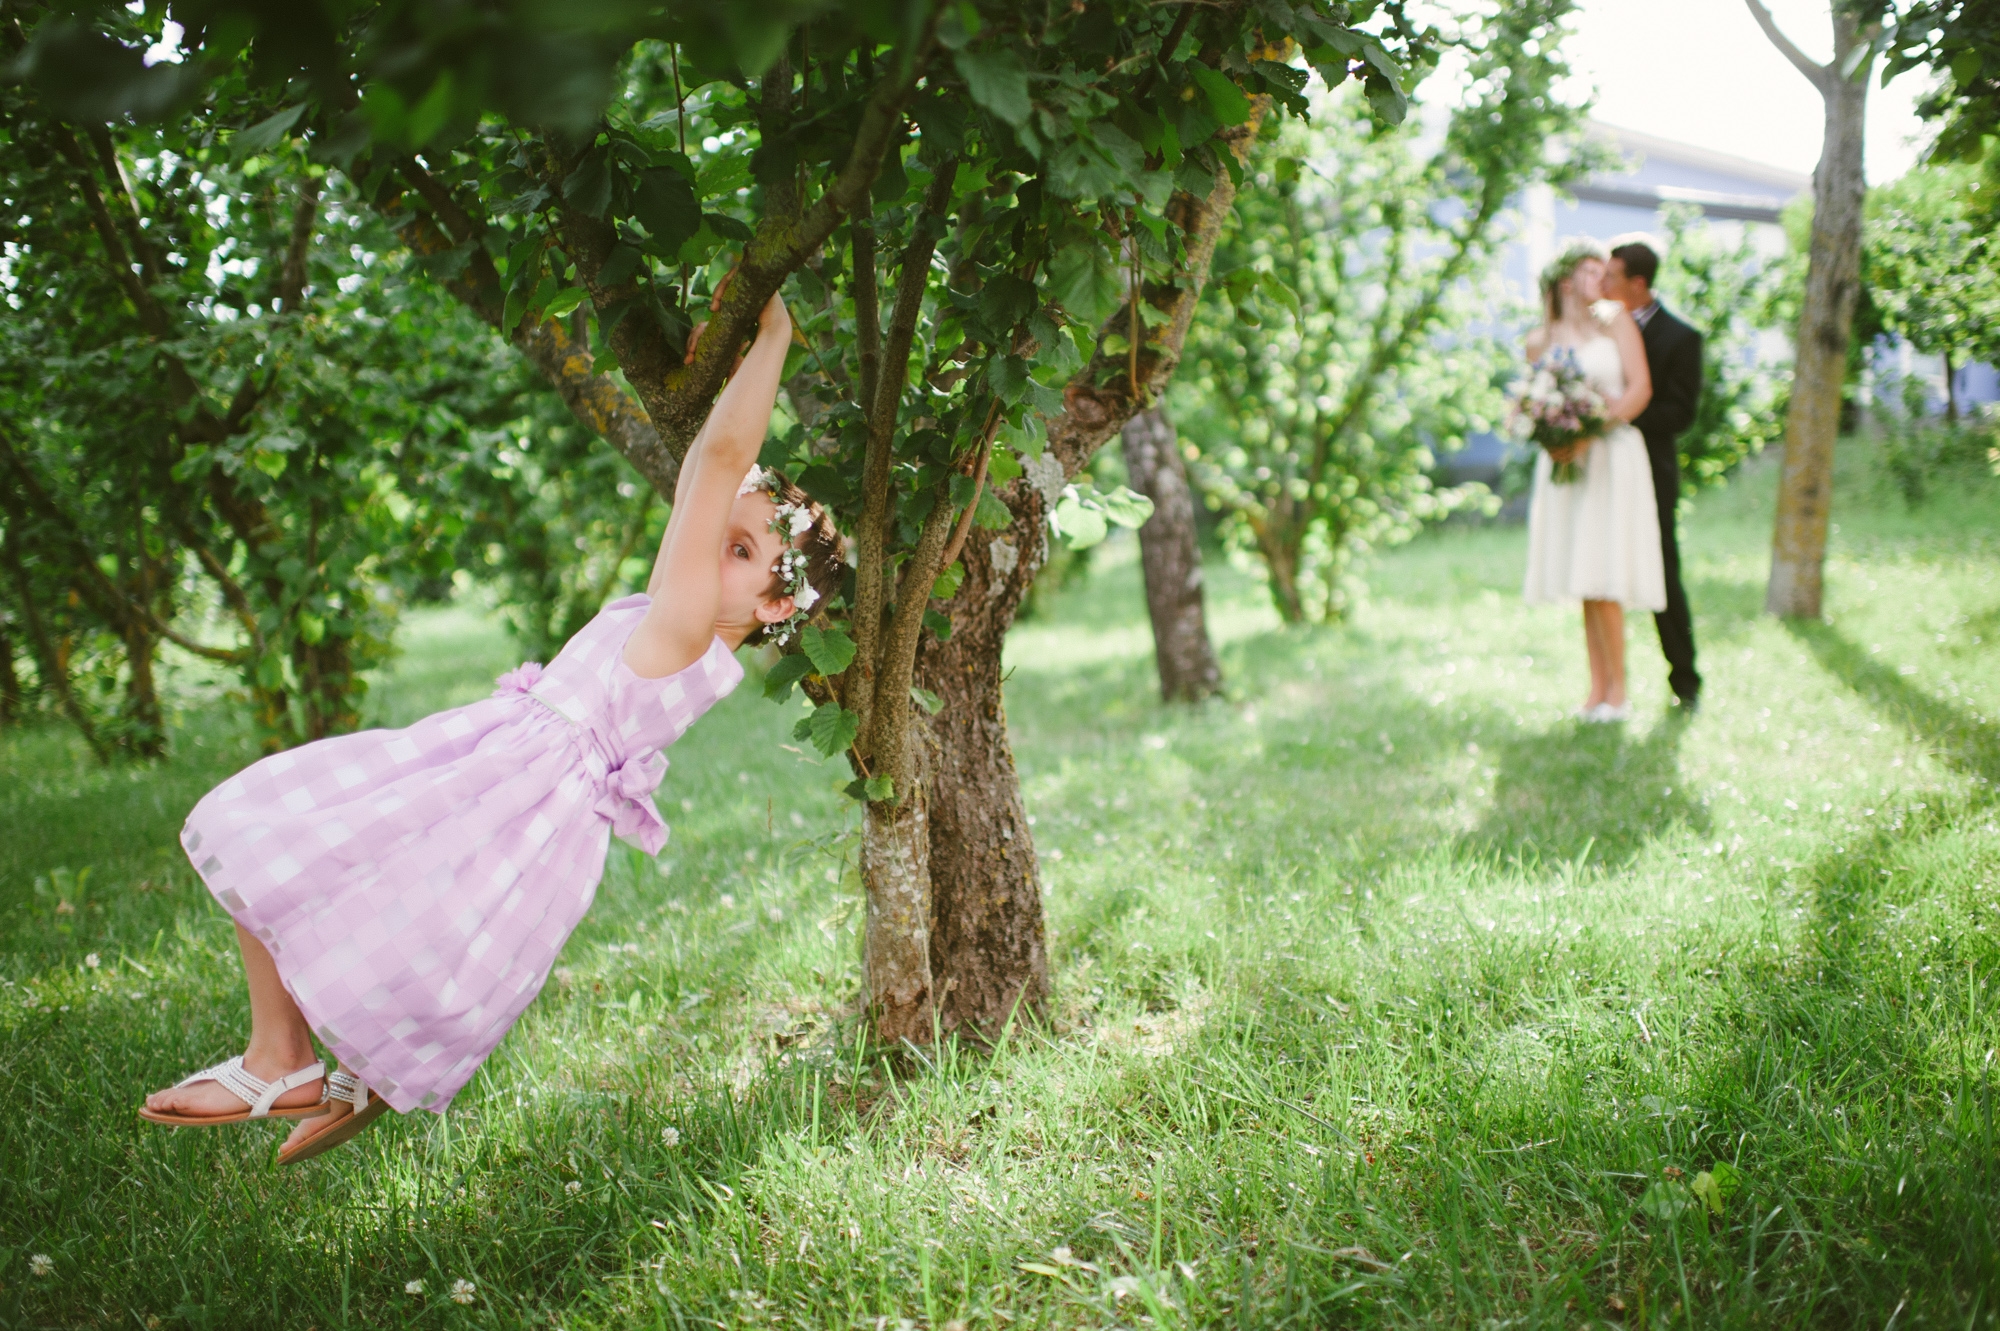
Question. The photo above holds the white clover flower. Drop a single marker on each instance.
(41, 1265)
(91, 961)
(572, 1187)
(671, 1136)
(463, 1291)
(413, 1287)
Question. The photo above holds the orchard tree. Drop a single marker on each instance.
(1728, 292)
(1933, 270)
(1352, 270)
(1826, 313)
(993, 222)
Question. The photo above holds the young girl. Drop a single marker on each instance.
(1597, 539)
(403, 894)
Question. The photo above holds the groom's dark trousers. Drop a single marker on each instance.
(1673, 355)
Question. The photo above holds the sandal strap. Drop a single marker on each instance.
(252, 1089)
(344, 1085)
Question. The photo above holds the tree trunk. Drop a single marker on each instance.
(989, 950)
(10, 681)
(1172, 560)
(1826, 321)
(895, 863)
(146, 734)
(1950, 390)
(1281, 547)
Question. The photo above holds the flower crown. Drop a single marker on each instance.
(790, 522)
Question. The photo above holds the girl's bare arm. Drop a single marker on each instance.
(687, 577)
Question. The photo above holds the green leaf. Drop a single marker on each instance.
(620, 267)
(266, 133)
(927, 700)
(879, 788)
(727, 227)
(1127, 507)
(1080, 525)
(789, 670)
(997, 82)
(1665, 1200)
(1716, 1186)
(832, 728)
(830, 650)
(666, 206)
(588, 188)
(1086, 283)
(564, 301)
(992, 513)
(1964, 68)
(1227, 100)
(948, 582)
(939, 625)
(1008, 376)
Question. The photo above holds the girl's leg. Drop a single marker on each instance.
(1593, 639)
(1611, 628)
(280, 1042)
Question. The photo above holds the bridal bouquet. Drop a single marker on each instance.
(1555, 406)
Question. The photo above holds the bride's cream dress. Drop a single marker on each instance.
(1598, 538)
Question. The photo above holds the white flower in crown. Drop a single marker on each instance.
(755, 479)
(805, 597)
(801, 520)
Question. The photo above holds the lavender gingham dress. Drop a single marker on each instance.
(414, 886)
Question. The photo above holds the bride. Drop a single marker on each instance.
(1597, 539)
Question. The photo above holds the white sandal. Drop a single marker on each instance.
(365, 1107)
(257, 1095)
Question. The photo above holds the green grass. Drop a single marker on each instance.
(1385, 996)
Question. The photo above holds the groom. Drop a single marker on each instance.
(1673, 356)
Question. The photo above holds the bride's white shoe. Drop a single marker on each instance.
(1604, 712)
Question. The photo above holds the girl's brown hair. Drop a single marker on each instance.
(821, 543)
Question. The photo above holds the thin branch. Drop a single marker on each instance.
(292, 277)
(114, 169)
(867, 307)
(978, 484)
(1816, 74)
(870, 537)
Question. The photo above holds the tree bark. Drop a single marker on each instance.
(1950, 390)
(10, 680)
(895, 863)
(989, 947)
(1172, 560)
(1826, 322)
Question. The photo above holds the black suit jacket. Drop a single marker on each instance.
(1673, 355)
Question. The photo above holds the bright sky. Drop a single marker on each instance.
(1702, 72)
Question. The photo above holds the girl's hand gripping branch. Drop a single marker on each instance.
(715, 567)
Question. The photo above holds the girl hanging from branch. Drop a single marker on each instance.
(403, 894)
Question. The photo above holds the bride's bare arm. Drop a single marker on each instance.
(1632, 355)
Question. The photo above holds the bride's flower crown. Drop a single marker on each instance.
(790, 522)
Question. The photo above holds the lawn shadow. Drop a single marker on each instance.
(1957, 738)
(1583, 790)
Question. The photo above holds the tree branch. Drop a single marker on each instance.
(889, 742)
(867, 307)
(870, 537)
(1098, 401)
(114, 169)
(595, 400)
(1816, 74)
(292, 276)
